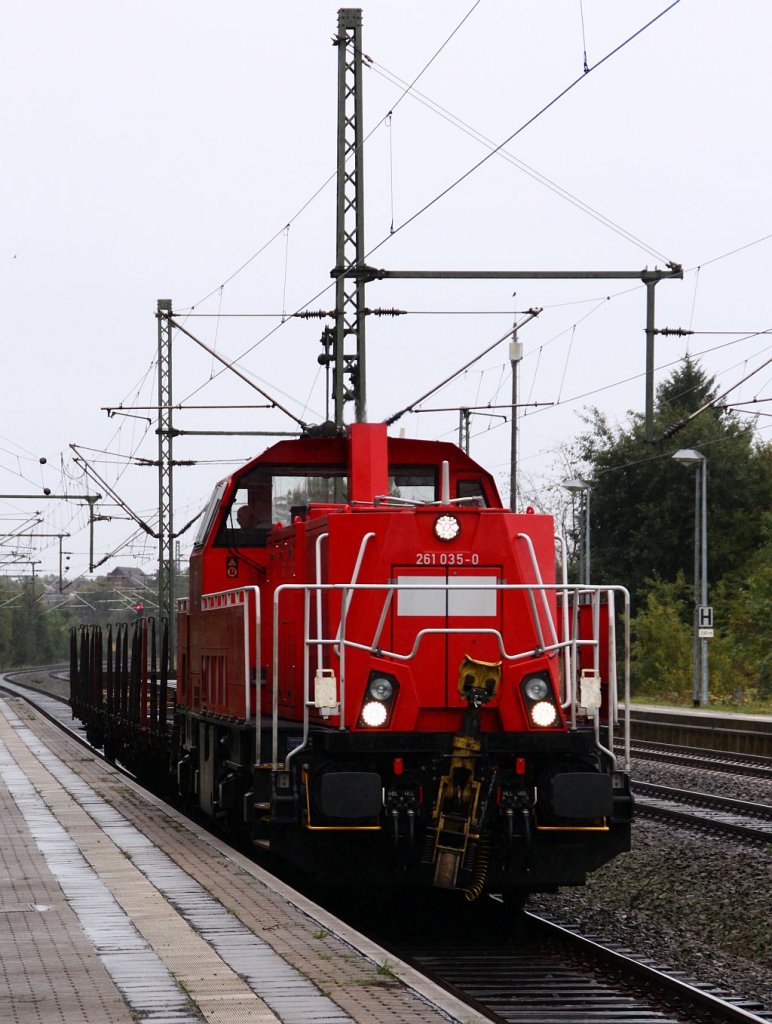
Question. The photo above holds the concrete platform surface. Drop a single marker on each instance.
(114, 909)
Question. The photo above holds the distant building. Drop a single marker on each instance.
(128, 577)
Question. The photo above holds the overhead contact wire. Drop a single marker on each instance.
(467, 173)
(531, 172)
(327, 180)
(526, 124)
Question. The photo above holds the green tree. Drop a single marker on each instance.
(642, 505)
(744, 600)
(661, 654)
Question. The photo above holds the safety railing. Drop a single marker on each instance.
(549, 643)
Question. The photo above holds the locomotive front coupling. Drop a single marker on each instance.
(460, 806)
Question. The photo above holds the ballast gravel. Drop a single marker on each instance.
(693, 902)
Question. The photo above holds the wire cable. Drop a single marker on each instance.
(449, 188)
(526, 124)
(332, 176)
(525, 168)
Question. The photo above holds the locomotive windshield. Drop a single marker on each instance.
(274, 495)
(413, 483)
(209, 513)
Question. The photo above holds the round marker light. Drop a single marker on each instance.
(374, 714)
(446, 528)
(544, 714)
(380, 688)
(536, 688)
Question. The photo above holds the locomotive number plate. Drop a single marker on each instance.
(446, 558)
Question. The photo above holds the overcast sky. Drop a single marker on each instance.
(153, 149)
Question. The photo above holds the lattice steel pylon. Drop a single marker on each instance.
(349, 346)
(166, 565)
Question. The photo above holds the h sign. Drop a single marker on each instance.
(705, 616)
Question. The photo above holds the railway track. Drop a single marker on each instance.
(540, 971)
(752, 821)
(755, 765)
(543, 972)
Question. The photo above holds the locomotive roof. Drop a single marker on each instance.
(335, 451)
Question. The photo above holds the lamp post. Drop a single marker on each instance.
(703, 614)
(582, 488)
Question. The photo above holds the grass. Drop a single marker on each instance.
(716, 703)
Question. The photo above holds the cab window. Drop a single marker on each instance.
(413, 483)
(268, 498)
(471, 489)
(209, 513)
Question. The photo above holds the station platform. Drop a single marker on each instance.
(115, 909)
(728, 731)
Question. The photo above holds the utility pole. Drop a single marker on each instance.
(651, 283)
(515, 355)
(463, 429)
(703, 612)
(350, 235)
(166, 608)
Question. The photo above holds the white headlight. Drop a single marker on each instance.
(544, 713)
(374, 713)
(446, 528)
(380, 688)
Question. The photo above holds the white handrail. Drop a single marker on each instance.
(568, 677)
(537, 574)
(572, 642)
(318, 567)
(344, 606)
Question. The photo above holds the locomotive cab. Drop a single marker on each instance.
(377, 663)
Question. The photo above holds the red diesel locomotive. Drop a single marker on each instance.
(379, 677)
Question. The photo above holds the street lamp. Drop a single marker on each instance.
(582, 488)
(703, 614)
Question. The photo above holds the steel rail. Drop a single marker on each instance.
(703, 757)
(658, 979)
(663, 802)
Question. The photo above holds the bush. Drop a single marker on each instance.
(661, 653)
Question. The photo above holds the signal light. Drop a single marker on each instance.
(540, 701)
(380, 694)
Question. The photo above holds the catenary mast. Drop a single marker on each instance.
(348, 356)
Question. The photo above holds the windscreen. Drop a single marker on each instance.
(273, 496)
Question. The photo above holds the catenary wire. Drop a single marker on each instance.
(525, 168)
(449, 188)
